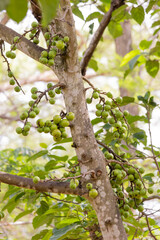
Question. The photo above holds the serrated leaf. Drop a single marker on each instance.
(129, 56)
(77, 12)
(93, 64)
(144, 44)
(93, 16)
(37, 155)
(22, 214)
(115, 29)
(17, 9)
(152, 67)
(139, 135)
(138, 14)
(58, 233)
(49, 9)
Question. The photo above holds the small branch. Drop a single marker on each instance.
(26, 46)
(61, 200)
(149, 228)
(151, 198)
(98, 34)
(41, 186)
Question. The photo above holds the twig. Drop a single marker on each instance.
(151, 198)
(98, 34)
(61, 200)
(149, 228)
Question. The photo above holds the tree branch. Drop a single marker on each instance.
(26, 46)
(41, 186)
(98, 34)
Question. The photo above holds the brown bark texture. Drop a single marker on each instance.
(123, 46)
(90, 157)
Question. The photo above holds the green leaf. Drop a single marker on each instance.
(4, 4)
(127, 100)
(96, 121)
(43, 208)
(144, 44)
(156, 23)
(49, 9)
(119, 13)
(129, 56)
(93, 16)
(138, 14)
(37, 155)
(149, 177)
(93, 64)
(141, 135)
(133, 61)
(77, 12)
(20, 215)
(131, 119)
(41, 220)
(50, 165)
(152, 67)
(91, 26)
(58, 233)
(150, 5)
(65, 140)
(115, 29)
(40, 235)
(59, 148)
(43, 145)
(17, 9)
(58, 158)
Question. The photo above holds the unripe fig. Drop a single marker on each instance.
(56, 133)
(34, 90)
(15, 39)
(56, 119)
(70, 116)
(47, 35)
(60, 45)
(12, 82)
(89, 186)
(95, 95)
(64, 123)
(36, 179)
(93, 193)
(18, 130)
(34, 24)
(66, 39)
(52, 101)
(17, 89)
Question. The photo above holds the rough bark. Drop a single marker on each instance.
(41, 186)
(90, 157)
(123, 46)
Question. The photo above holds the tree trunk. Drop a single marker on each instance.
(89, 155)
(123, 46)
